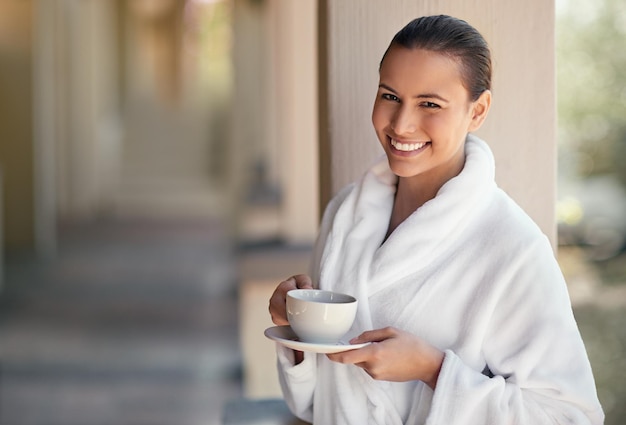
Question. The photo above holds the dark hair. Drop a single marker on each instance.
(455, 38)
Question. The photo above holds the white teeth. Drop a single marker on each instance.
(406, 147)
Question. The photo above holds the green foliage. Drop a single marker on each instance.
(591, 84)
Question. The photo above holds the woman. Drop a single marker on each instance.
(459, 291)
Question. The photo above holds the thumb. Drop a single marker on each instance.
(376, 335)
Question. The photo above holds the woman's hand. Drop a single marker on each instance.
(394, 355)
(278, 301)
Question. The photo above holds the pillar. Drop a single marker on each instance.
(521, 127)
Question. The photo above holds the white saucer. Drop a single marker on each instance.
(285, 336)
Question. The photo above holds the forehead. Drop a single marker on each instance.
(404, 68)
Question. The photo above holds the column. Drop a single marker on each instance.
(521, 127)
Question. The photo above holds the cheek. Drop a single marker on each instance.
(433, 124)
(380, 117)
(442, 124)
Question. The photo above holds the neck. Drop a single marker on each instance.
(413, 192)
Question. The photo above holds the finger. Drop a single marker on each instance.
(288, 284)
(278, 311)
(278, 301)
(357, 356)
(278, 314)
(303, 281)
(277, 304)
(376, 335)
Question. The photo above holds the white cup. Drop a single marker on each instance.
(318, 316)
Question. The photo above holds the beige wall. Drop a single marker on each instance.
(62, 125)
(16, 146)
(250, 133)
(54, 94)
(75, 101)
(275, 111)
(521, 128)
(83, 69)
(294, 105)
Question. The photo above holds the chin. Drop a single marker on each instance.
(403, 170)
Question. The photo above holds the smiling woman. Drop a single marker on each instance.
(460, 298)
(421, 116)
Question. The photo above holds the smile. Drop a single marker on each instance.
(407, 147)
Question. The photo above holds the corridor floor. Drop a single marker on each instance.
(132, 323)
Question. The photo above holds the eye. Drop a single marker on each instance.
(391, 97)
(430, 105)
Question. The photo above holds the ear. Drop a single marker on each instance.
(480, 109)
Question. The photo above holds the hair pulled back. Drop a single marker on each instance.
(453, 37)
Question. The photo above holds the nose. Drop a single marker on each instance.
(404, 121)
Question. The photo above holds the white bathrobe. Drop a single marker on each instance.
(470, 273)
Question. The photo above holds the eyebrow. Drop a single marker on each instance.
(419, 96)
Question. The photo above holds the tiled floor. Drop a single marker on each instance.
(132, 323)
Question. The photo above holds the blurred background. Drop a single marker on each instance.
(591, 206)
(151, 194)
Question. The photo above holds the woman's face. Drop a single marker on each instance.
(423, 113)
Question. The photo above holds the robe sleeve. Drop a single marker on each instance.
(539, 370)
(297, 382)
